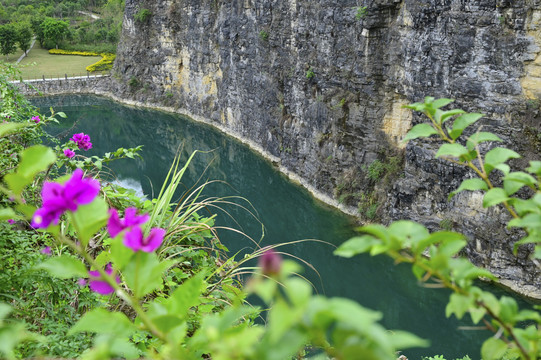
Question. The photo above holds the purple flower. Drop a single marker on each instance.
(58, 198)
(115, 225)
(36, 119)
(82, 140)
(81, 282)
(134, 239)
(270, 263)
(69, 153)
(46, 250)
(11, 221)
(100, 286)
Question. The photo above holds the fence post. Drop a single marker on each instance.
(88, 75)
(66, 76)
(43, 77)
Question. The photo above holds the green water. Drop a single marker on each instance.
(287, 212)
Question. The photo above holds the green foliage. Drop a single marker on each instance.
(54, 30)
(24, 36)
(8, 39)
(134, 83)
(142, 15)
(408, 242)
(361, 12)
(263, 35)
(310, 73)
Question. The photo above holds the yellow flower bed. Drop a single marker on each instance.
(106, 62)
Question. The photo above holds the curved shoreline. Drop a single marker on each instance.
(276, 161)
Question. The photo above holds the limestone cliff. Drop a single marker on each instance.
(319, 85)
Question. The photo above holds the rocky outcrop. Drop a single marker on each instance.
(318, 85)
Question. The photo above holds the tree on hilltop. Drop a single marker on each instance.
(24, 37)
(8, 39)
(54, 30)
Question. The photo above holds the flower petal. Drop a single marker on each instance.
(101, 287)
(114, 224)
(154, 240)
(134, 238)
(132, 219)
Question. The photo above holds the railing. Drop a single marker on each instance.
(87, 75)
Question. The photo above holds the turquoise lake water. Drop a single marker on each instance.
(287, 212)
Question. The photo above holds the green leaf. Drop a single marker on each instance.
(449, 113)
(477, 314)
(121, 255)
(355, 246)
(435, 238)
(458, 304)
(7, 128)
(480, 137)
(186, 296)
(470, 184)
(534, 168)
(409, 232)
(144, 273)
(64, 267)
(7, 213)
(5, 309)
(61, 114)
(497, 156)
(494, 196)
(406, 340)
(101, 321)
(33, 160)
(493, 349)
(88, 219)
(508, 310)
(455, 150)
(463, 122)
(438, 103)
(514, 181)
(420, 130)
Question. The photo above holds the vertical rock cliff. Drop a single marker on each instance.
(320, 85)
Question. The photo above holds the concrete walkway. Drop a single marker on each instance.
(25, 54)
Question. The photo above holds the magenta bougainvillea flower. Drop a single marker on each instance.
(115, 225)
(36, 119)
(270, 263)
(11, 221)
(58, 198)
(101, 286)
(135, 240)
(82, 140)
(69, 153)
(46, 250)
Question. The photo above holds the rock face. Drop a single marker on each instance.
(320, 84)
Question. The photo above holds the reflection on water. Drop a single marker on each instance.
(287, 212)
(131, 184)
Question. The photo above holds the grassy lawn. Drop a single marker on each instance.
(12, 58)
(54, 66)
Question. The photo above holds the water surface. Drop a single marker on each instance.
(287, 211)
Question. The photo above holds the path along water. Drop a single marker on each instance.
(287, 212)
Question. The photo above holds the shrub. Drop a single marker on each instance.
(142, 15)
(263, 35)
(106, 62)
